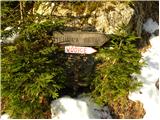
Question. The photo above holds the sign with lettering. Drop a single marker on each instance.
(80, 38)
(79, 50)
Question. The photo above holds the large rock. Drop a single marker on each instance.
(45, 8)
(106, 18)
(112, 16)
(129, 110)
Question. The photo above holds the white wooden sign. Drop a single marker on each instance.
(79, 50)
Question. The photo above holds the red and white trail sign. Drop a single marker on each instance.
(79, 50)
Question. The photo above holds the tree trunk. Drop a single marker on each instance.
(21, 10)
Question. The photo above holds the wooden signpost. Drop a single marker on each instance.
(79, 43)
(82, 39)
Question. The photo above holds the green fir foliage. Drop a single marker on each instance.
(115, 64)
(32, 74)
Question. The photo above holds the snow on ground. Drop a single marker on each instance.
(80, 108)
(8, 28)
(150, 73)
(150, 26)
(11, 38)
(4, 117)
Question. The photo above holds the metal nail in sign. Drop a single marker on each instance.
(80, 38)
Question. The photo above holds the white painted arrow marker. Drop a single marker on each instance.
(79, 50)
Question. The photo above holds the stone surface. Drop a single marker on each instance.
(111, 16)
(61, 11)
(106, 18)
(130, 110)
(45, 8)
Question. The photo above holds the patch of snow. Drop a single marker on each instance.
(150, 26)
(11, 38)
(80, 108)
(8, 28)
(4, 117)
(98, 112)
(149, 95)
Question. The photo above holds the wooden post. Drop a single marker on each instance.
(76, 75)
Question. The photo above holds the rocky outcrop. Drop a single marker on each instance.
(45, 8)
(112, 16)
(106, 17)
(128, 110)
